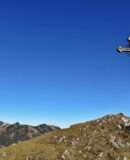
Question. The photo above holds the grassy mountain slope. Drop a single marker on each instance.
(107, 138)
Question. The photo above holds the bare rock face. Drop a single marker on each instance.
(14, 133)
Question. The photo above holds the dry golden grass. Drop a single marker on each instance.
(86, 141)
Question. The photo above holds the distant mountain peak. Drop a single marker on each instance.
(13, 133)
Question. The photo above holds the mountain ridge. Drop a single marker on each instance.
(106, 138)
(16, 132)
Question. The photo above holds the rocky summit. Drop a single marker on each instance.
(14, 133)
(106, 138)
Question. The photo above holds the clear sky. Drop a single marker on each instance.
(58, 60)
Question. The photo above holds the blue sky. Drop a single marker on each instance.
(58, 60)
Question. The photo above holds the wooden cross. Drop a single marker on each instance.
(124, 49)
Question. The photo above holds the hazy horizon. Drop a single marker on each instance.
(63, 125)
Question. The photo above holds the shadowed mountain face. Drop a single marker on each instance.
(14, 133)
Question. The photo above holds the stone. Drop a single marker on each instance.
(66, 154)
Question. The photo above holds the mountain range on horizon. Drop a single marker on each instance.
(16, 132)
(106, 138)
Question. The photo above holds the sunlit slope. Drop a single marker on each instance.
(107, 138)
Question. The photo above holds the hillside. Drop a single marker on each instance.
(106, 138)
(14, 133)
